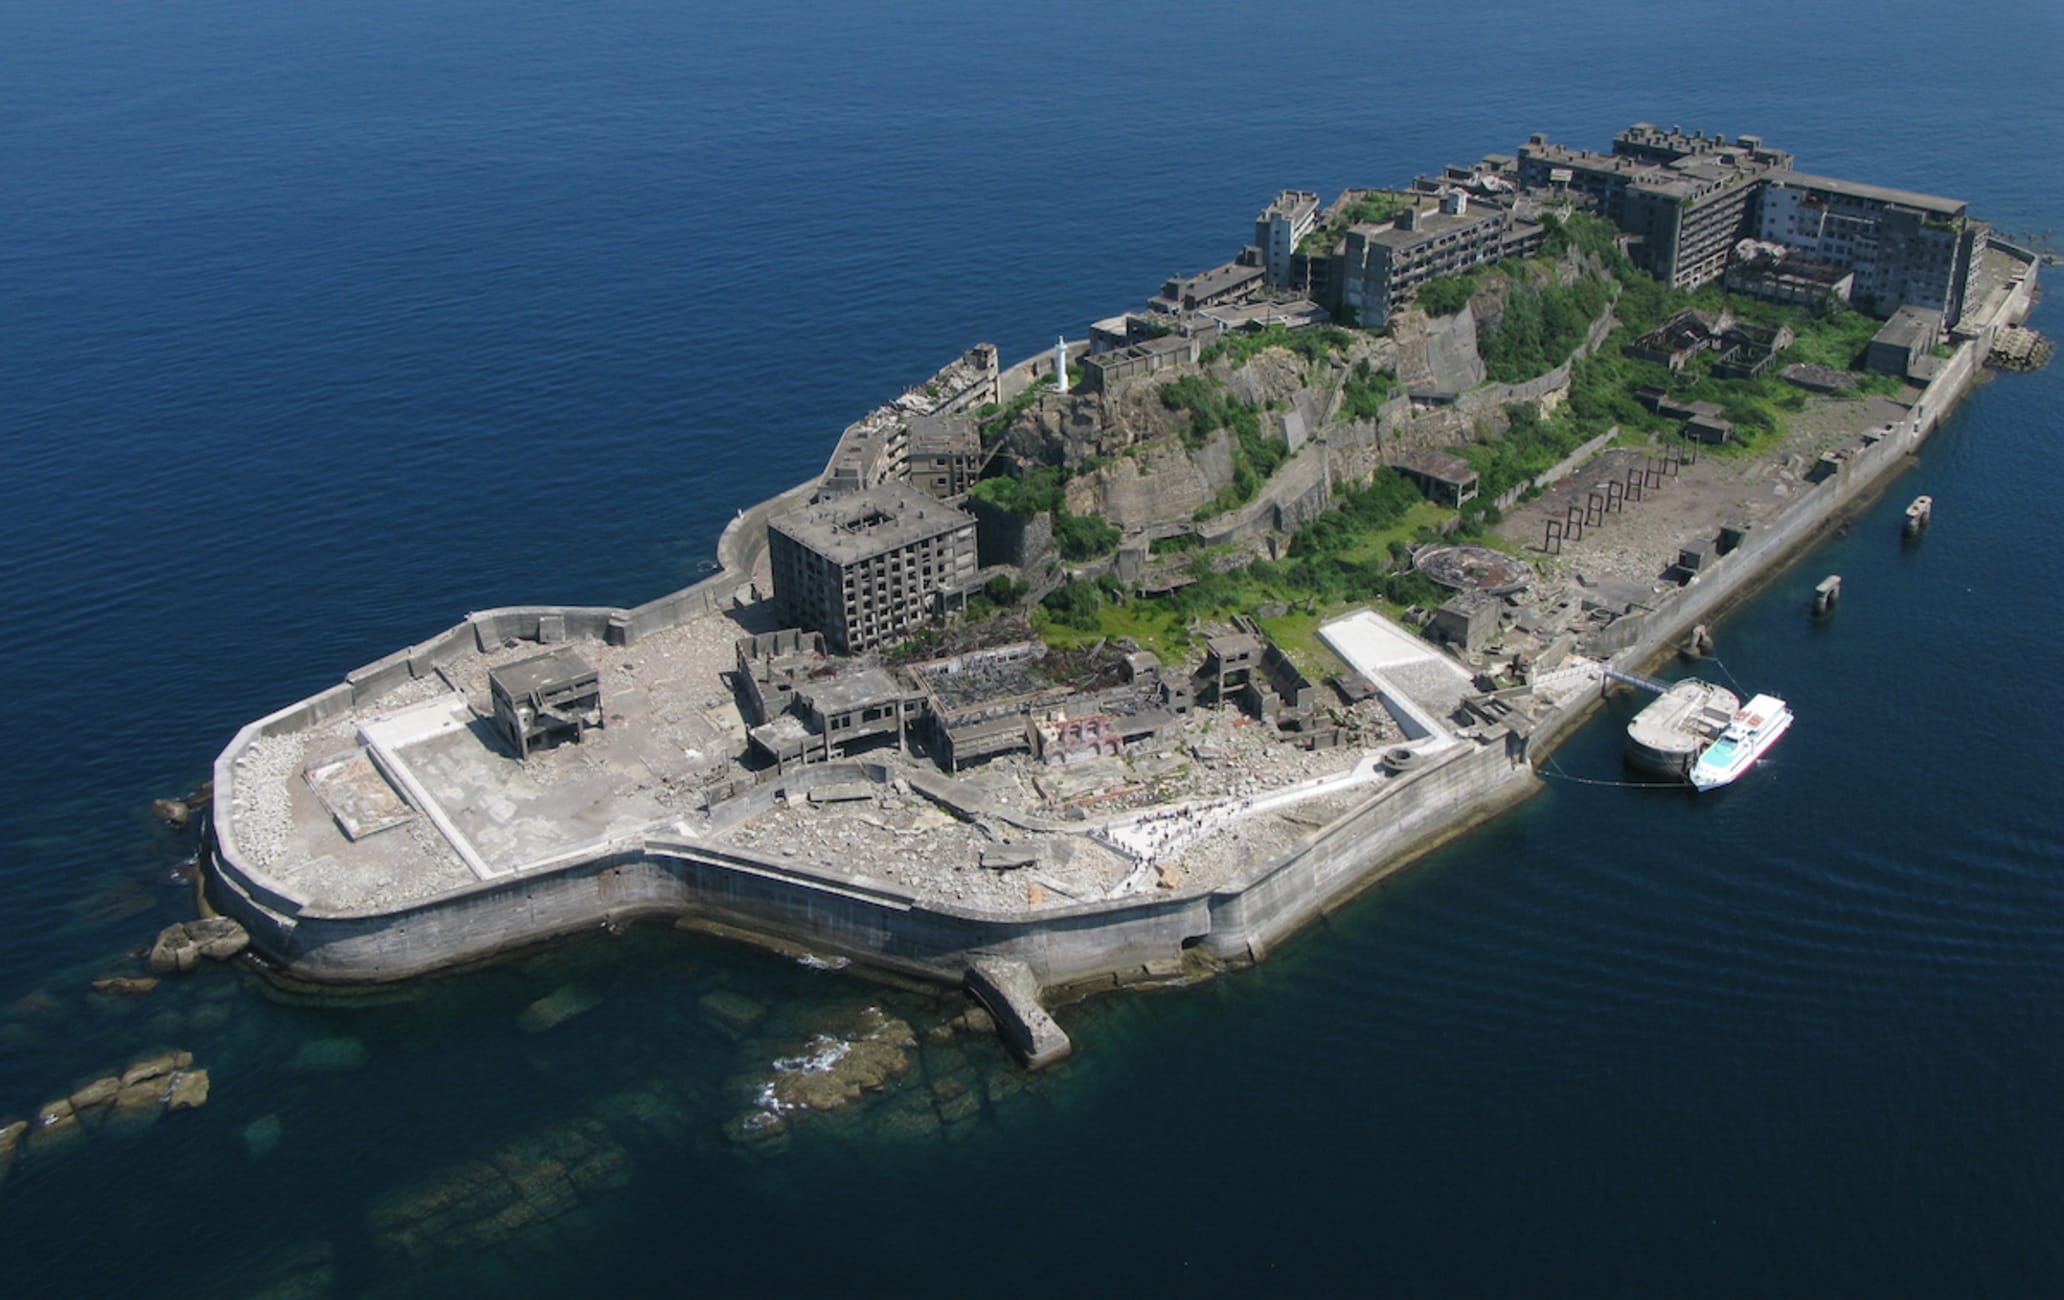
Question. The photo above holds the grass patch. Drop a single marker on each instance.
(1311, 344)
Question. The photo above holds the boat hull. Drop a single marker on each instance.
(1711, 775)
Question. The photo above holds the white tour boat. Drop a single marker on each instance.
(1754, 728)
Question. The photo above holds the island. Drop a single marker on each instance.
(1121, 663)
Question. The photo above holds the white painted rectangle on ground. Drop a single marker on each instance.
(1371, 643)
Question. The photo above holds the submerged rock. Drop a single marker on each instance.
(328, 1056)
(55, 1126)
(38, 1003)
(173, 812)
(262, 1136)
(125, 986)
(909, 1117)
(556, 1008)
(761, 1129)
(503, 1199)
(10, 1142)
(734, 1013)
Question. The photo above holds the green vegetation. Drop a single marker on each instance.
(1256, 456)
(1358, 515)
(1542, 324)
(1448, 294)
(996, 596)
(1079, 604)
(1311, 344)
(1353, 553)
(1036, 493)
(1586, 234)
(1375, 208)
(994, 420)
(1366, 390)
(1530, 446)
(1077, 537)
(1349, 555)
(1209, 406)
(1083, 537)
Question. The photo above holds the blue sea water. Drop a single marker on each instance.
(326, 324)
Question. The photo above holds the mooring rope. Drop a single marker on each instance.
(1554, 769)
(1732, 680)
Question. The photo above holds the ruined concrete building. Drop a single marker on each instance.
(869, 568)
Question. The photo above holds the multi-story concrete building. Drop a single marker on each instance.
(1598, 179)
(1690, 200)
(945, 454)
(1686, 199)
(1687, 218)
(1380, 266)
(1906, 249)
(1276, 232)
(875, 449)
(1645, 142)
(865, 568)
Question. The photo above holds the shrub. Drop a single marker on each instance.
(1075, 604)
(1083, 537)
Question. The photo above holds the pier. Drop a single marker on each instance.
(1667, 737)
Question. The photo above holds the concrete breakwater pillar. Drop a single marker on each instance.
(1827, 593)
(1011, 992)
(1918, 516)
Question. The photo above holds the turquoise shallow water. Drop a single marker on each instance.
(306, 306)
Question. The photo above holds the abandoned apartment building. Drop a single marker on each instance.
(868, 568)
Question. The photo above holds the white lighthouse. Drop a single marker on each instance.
(1060, 363)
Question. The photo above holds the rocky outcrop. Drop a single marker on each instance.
(128, 1100)
(183, 946)
(834, 1072)
(1159, 484)
(178, 814)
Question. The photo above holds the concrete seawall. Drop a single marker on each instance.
(1865, 473)
(679, 876)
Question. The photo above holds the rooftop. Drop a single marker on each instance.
(870, 522)
(1911, 327)
(1878, 193)
(1431, 226)
(855, 686)
(542, 672)
(1441, 465)
(936, 434)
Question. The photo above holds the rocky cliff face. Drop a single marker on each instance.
(1136, 469)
